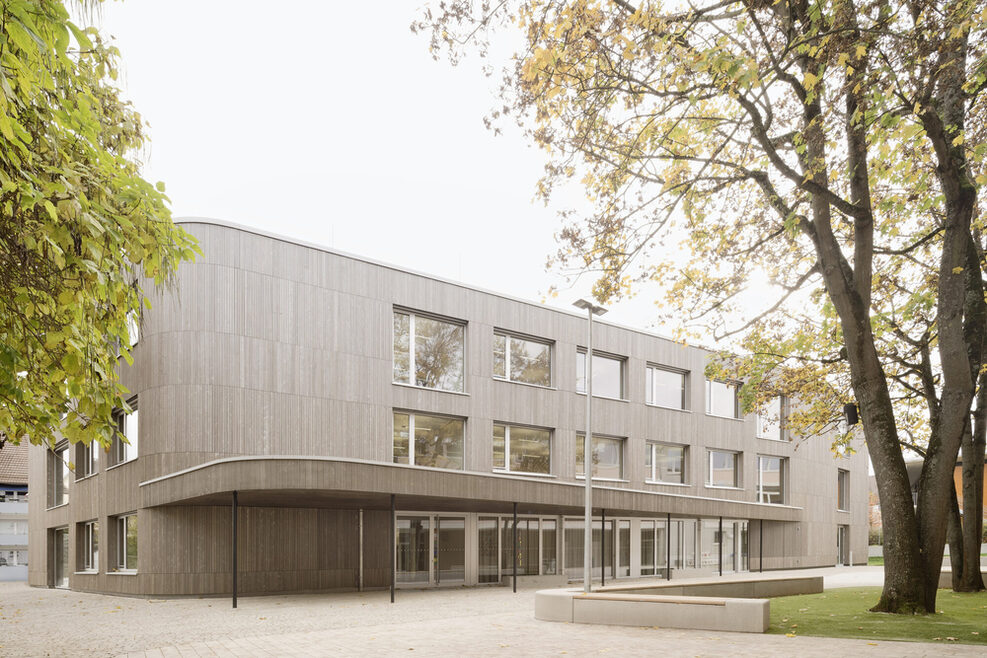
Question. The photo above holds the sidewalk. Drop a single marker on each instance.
(462, 622)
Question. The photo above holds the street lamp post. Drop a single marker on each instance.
(591, 310)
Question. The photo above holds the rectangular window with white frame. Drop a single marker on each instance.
(665, 387)
(126, 542)
(522, 360)
(522, 450)
(58, 475)
(722, 399)
(666, 463)
(90, 546)
(723, 469)
(425, 440)
(608, 457)
(843, 490)
(133, 327)
(771, 474)
(87, 459)
(608, 375)
(127, 437)
(429, 352)
(771, 420)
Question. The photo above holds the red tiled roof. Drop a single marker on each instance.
(13, 464)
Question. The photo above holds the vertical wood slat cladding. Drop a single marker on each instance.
(268, 347)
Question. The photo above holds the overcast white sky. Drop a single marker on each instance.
(330, 122)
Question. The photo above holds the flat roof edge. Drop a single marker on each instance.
(405, 270)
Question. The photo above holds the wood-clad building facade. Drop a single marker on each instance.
(317, 385)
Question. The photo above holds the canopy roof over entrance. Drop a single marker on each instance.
(267, 481)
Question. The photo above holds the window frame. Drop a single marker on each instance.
(509, 336)
(412, 378)
(411, 437)
(782, 480)
(621, 360)
(621, 441)
(507, 449)
(58, 483)
(133, 327)
(738, 480)
(651, 449)
(842, 490)
(121, 525)
(736, 398)
(766, 426)
(87, 459)
(649, 386)
(90, 546)
(124, 452)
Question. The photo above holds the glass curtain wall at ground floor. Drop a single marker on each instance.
(447, 549)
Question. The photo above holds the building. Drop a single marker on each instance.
(13, 512)
(317, 385)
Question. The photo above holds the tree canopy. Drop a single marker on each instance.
(831, 150)
(81, 230)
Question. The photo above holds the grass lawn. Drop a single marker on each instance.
(875, 561)
(843, 613)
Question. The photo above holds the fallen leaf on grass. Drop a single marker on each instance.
(789, 634)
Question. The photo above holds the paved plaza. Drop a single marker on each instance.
(454, 622)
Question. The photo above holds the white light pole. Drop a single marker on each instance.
(591, 310)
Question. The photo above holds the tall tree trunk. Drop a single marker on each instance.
(956, 553)
(973, 492)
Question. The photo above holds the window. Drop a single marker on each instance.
(771, 479)
(608, 375)
(665, 463)
(770, 420)
(843, 490)
(90, 546)
(133, 327)
(722, 399)
(666, 388)
(124, 447)
(522, 360)
(87, 459)
(126, 544)
(608, 457)
(58, 475)
(522, 449)
(438, 440)
(428, 352)
(724, 469)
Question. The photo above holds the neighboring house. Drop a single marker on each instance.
(13, 512)
(914, 469)
(321, 388)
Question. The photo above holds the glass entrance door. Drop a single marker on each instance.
(450, 550)
(60, 547)
(431, 550)
(413, 550)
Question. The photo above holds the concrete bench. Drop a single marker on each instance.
(691, 612)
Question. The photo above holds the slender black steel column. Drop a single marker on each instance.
(760, 546)
(514, 552)
(394, 548)
(721, 545)
(235, 507)
(668, 547)
(603, 548)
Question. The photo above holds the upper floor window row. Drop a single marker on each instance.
(608, 375)
(126, 439)
(722, 398)
(429, 352)
(665, 387)
(522, 360)
(770, 422)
